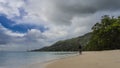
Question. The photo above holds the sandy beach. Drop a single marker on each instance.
(98, 59)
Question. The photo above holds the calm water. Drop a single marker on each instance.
(18, 59)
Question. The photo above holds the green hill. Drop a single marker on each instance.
(67, 45)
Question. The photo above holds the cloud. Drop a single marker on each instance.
(11, 8)
(3, 38)
(21, 41)
(63, 11)
(55, 11)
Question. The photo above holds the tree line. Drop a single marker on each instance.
(105, 35)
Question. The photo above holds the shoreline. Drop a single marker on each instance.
(45, 63)
(89, 59)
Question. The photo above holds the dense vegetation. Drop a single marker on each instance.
(67, 45)
(106, 34)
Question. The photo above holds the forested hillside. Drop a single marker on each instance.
(67, 45)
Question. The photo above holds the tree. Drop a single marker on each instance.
(106, 34)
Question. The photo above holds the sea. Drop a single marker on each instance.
(18, 59)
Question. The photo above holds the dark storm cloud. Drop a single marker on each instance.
(63, 11)
(86, 6)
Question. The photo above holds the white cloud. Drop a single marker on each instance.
(17, 41)
(11, 7)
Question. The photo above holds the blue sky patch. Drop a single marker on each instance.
(22, 28)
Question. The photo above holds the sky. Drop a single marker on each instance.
(32, 24)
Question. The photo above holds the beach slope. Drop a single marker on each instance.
(100, 59)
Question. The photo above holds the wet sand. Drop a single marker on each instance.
(94, 59)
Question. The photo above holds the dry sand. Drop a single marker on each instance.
(101, 59)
